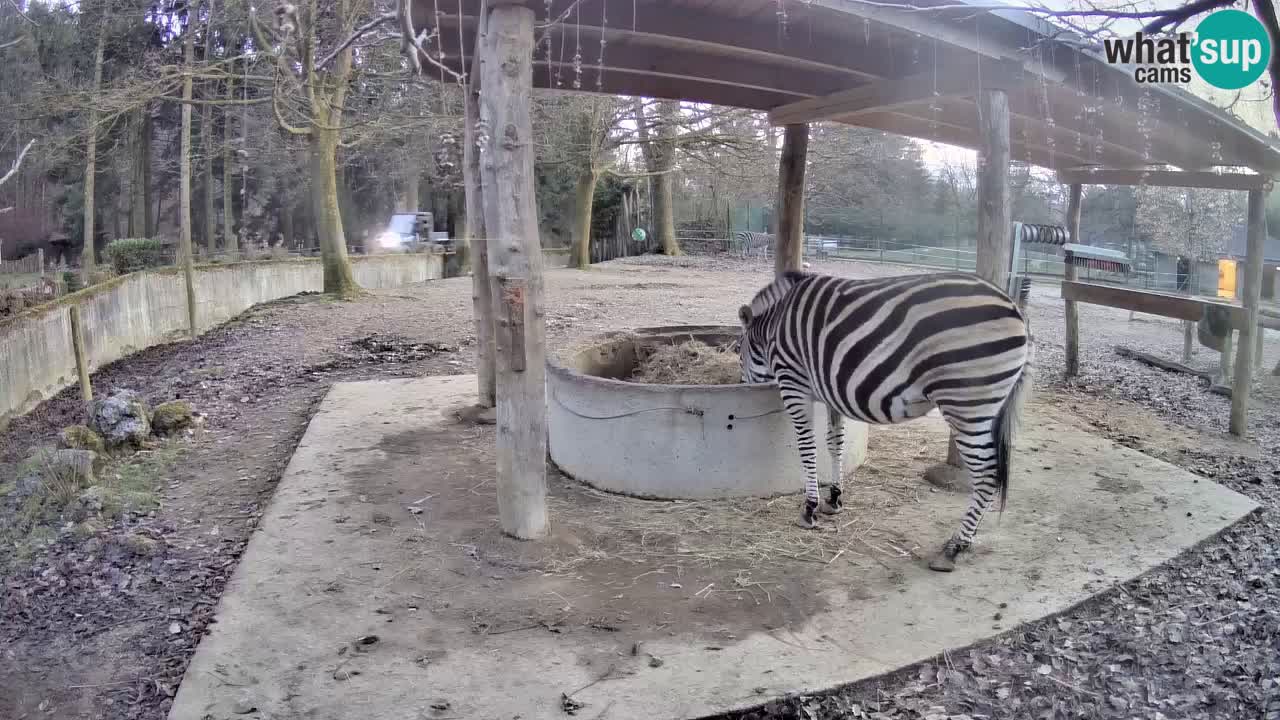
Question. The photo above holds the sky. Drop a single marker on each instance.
(1253, 107)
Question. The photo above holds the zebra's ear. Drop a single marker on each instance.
(744, 314)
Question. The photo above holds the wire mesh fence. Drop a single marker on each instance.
(1150, 272)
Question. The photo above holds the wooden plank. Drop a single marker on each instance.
(477, 245)
(1165, 178)
(1250, 297)
(964, 80)
(1161, 363)
(1074, 204)
(515, 263)
(994, 242)
(1178, 307)
(791, 169)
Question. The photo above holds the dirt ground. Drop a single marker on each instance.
(86, 627)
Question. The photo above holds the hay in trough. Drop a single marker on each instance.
(691, 362)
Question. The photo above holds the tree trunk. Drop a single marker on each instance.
(789, 254)
(338, 278)
(206, 137)
(87, 256)
(149, 220)
(477, 244)
(138, 206)
(286, 222)
(409, 191)
(185, 250)
(516, 259)
(583, 196)
(664, 210)
(229, 240)
(664, 182)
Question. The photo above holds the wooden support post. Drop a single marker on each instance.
(477, 245)
(82, 362)
(1074, 203)
(1250, 296)
(1188, 339)
(515, 262)
(995, 241)
(790, 245)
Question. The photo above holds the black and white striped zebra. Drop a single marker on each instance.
(889, 350)
(749, 243)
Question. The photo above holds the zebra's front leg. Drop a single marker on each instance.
(799, 407)
(835, 446)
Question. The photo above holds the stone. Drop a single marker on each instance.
(122, 419)
(63, 473)
(89, 503)
(81, 437)
(140, 544)
(172, 417)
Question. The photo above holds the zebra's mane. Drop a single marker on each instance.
(775, 291)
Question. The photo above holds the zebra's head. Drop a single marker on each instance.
(755, 366)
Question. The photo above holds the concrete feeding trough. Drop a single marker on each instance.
(675, 441)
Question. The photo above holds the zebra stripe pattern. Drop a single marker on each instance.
(749, 243)
(889, 350)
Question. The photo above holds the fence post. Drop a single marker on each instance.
(77, 347)
(40, 260)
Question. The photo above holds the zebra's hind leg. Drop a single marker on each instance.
(978, 452)
(835, 445)
(799, 407)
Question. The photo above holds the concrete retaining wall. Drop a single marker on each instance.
(143, 309)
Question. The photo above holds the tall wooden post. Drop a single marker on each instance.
(995, 242)
(1250, 296)
(481, 292)
(515, 263)
(1070, 273)
(790, 244)
(78, 349)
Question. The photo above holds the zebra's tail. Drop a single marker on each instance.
(1008, 423)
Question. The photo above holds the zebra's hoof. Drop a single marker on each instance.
(808, 515)
(833, 505)
(942, 562)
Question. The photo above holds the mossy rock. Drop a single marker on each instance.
(80, 437)
(172, 417)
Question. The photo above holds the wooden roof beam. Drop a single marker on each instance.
(1165, 178)
(664, 26)
(889, 94)
(946, 29)
(962, 136)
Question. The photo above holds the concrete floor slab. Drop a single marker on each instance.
(384, 526)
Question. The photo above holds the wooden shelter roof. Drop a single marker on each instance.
(876, 65)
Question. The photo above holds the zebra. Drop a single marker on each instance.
(747, 243)
(886, 351)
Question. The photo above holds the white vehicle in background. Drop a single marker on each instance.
(403, 232)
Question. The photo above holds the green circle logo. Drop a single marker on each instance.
(1232, 49)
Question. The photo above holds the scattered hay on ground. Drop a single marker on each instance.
(692, 362)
